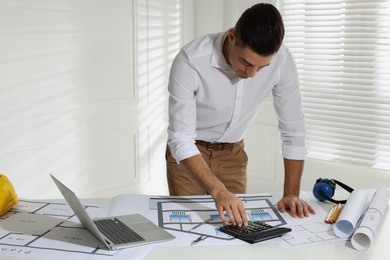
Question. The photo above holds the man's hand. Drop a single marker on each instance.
(296, 206)
(226, 201)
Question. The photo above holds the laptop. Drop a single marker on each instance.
(134, 229)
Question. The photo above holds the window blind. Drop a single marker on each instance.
(158, 39)
(342, 51)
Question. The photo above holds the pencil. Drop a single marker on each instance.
(336, 213)
(327, 219)
(333, 214)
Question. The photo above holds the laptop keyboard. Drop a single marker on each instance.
(117, 232)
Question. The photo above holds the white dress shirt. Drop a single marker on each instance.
(209, 102)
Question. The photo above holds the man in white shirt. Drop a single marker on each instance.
(217, 83)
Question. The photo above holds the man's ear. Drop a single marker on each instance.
(232, 34)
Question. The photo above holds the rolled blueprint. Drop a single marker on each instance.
(365, 232)
(350, 214)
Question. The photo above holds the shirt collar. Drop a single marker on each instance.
(217, 59)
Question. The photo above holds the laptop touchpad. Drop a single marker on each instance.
(144, 227)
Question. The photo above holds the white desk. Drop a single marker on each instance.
(379, 249)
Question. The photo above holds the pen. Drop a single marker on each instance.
(200, 224)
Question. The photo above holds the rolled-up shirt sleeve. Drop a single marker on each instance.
(182, 108)
(288, 106)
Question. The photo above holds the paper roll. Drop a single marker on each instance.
(351, 213)
(365, 232)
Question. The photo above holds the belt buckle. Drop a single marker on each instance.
(210, 147)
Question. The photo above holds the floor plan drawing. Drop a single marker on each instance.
(199, 216)
(31, 227)
(317, 233)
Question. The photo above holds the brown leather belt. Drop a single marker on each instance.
(215, 146)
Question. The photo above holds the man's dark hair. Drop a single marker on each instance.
(261, 29)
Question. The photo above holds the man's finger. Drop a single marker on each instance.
(221, 214)
(311, 210)
(293, 210)
(230, 216)
(237, 216)
(305, 209)
(281, 207)
(243, 214)
(300, 209)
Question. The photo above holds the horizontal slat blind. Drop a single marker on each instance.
(158, 38)
(342, 50)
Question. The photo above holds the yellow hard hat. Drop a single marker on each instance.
(8, 197)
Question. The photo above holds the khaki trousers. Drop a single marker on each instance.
(229, 166)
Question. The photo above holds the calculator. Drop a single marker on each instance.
(256, 231)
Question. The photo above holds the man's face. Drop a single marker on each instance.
(245, 62)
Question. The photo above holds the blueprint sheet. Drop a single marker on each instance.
(44, 230)
(186, 214)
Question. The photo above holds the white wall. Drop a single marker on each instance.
(67, 95)
(83, 94)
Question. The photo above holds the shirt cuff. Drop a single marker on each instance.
(294, 152)
(183, 151)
